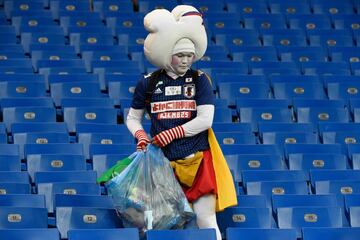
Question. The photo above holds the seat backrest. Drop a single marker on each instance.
(23, 217)
(31, 234)
(188, 234)
(105, 234)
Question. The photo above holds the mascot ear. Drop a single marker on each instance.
(157, 20)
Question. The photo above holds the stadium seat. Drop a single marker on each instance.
(330, 38)
(63, 8)
(26, 102)
(239, 37)
(65, 176)
(280, 6)
(114, 7)
(99, 149)
(103, 162)
(54, 162)
(252, 54)
(321, 114)
(258, 233)
(287, 37)
(333, 8)
(71, 188)
(53, 148)
(59, 127)
(23, 217)
(79, 200)
(298, 200)
(68, 218)
(28, 6)
(301, 217)
(351, 200)
(264, 21)
(307, 161)
(251, 201)
(186, 234)
(273, 176)
(312, 148)
(244, 217)
(147, 6)
(274, 68)
(28, 39)
(272, 188)
(239, 162)
(343, 187)
(102, 128)
(121, 90)
(308, 21)
(28, 114)
(250, 149)
(235, 138)
(31, 234)
(10, 162)
(74, 90)
(14, 188)
(89, 115)
(354, 216)
(325, 68)
(330, 175)
(22, 89)
(105, 234)
(331, 233)
(22, 200)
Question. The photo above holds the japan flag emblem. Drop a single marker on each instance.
(189, 90)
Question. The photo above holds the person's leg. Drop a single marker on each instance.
(204, 208)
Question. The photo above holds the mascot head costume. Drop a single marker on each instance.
(180, 30)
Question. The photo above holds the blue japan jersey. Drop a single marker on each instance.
(172, 104)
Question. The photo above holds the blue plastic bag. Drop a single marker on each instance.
(147, 195)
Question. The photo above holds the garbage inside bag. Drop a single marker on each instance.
(147, 195)
(116, 169)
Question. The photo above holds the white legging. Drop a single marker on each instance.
(204, 209)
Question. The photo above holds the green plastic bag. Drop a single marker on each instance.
(116, 169)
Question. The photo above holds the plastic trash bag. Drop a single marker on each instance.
(147, 195)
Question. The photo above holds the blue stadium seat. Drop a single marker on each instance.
(53, 148)
(309, 21)
(252, 54)
(274, 68)
(31, 21)
(28, 39)
(321, 114)
(281, 132)
(54, 162)
(337, 187)
(325, 68)
(68, 218)
(351, 200)
(102, 138)
(231, 127)
(98, 149)
(301, 217)
(10, 162)
(242, 37)
(51, 65)
(147, 6)
(330, 38)
(90, 39)
(244, 217)
(39, 127)
(264, 21)
(345, 21)
(344, 54)
(28, 114)
(302, 54)
(298, 200)
(91, 19)
(354, 216)
(330, 233)
(272, 188)
(333, 8)
(247, 8)
(229, 149)
(355, 67)
(251, 201)
(79, 200)
(102, 128)
(22, 89)
(186, 234)
(235, 138)
(312, 148)
(240, 162)
(121, 90)
(207, 7)
(74, 90)
(14, 188)
(65, 176)
(273, 176)
(39, 138)
(22, 200)
(298, 7)
(23, 217)
(89, 115)
(103, 162)
(29, 6)
(307, 161)
(258, 233)
(30, 234)
(26, 102)
(280, 37)
(63, 8)
(330, 175)
(113, 7)
(105, 234)
(72, 188)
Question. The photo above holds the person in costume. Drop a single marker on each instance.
(180, 103)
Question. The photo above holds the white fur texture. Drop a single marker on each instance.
(166, 28)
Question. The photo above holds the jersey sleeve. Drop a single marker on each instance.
(204, 92)
(138, 101)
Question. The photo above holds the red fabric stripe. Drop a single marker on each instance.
(192, 14)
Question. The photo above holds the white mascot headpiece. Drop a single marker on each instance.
(166, 28)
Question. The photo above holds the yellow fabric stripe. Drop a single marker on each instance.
(186, 169)
(226, 194)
